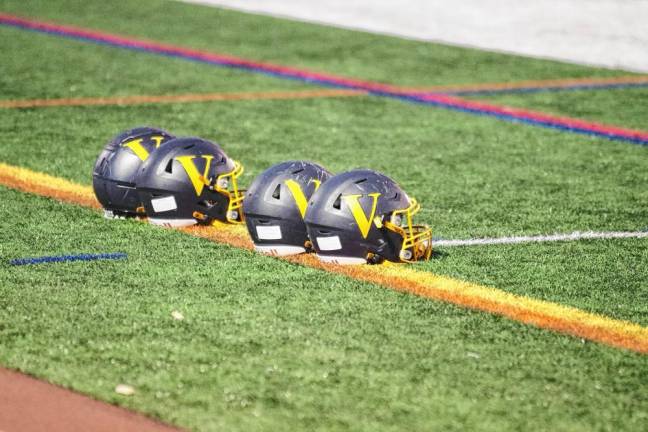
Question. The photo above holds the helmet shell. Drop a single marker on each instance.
(276, 202)
(113, 176)
(335, 230)
(178, 180)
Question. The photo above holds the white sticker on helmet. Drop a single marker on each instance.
(272, 232)
(164, 204)
(329, 243)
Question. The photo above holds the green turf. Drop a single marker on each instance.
(351, 53)
(267, 345)
(41, 66)
(619, 107)
(529, 185)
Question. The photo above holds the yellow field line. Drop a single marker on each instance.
(181, 98)
(540, 313)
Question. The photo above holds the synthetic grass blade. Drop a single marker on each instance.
(454, 103)
(68, 258)
(543, 314)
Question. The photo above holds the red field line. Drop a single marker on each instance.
(445, 101)
(181, 98)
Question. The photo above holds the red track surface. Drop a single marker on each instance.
(30, 405)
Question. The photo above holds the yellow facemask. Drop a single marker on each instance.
(227, 184)
(417, 239)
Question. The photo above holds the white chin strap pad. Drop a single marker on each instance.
(172, 223)
(341, 260)
(279, 250)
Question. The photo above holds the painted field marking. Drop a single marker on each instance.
(180, 98)
(540, 313)
(467, 89)
(530, 86)
(577, 235)
(529, 90)
(449, 102)
(67, 258)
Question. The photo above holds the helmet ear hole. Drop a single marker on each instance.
(169, 167)
(338, 202)
(277, 192)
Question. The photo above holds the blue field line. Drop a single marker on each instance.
(337, 82)
(67, 258)
(515, 119)
(186, 57)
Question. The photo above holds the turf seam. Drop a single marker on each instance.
(449, 102)
(540, 313)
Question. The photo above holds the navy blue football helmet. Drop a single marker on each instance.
(188, 181)
(113, 177)
(276, 203)
(362, 216)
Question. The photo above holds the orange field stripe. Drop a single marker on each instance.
(302, 94)
(563, 82)
(45, 185)
(183, 98)
(404, 278)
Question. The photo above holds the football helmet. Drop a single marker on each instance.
(113, 177)
(362, 216)
(188, 181)
(275, 205)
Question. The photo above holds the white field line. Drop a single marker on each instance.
(577, 235)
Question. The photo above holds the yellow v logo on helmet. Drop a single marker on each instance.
(298, 194)
(139, 150)
(364, 222)
(198, 180)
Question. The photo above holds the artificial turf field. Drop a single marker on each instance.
(270, 345)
